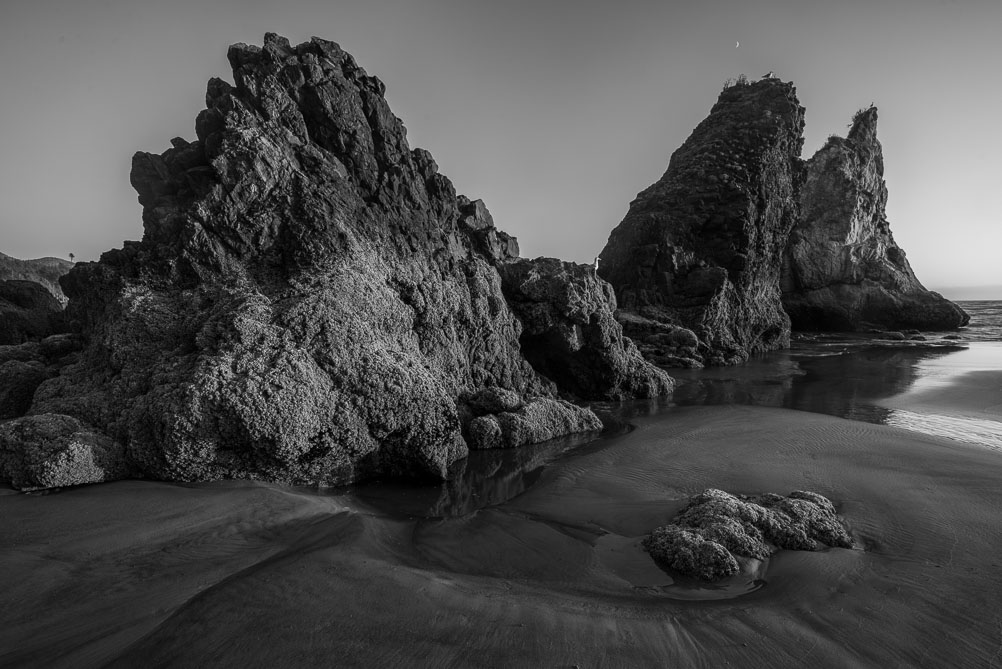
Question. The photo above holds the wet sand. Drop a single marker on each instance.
(959, 396)
(149, 574)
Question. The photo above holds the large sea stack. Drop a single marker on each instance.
(312, 303)
(843, 270)
(701, 250)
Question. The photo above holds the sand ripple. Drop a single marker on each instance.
(142, 574)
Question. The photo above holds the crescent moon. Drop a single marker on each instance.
(737, 44)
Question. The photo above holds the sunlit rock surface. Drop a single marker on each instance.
(50, 451)
(715, 526)
(310, 298)
(701, 249)
(843, 269)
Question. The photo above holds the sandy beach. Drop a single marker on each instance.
(958, 396)
(243, 574)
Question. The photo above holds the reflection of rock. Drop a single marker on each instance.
(49, 450)
(715, 391)
(702, 248)
(715, 526)
(485, 478)
(843, 269)
(849, 385)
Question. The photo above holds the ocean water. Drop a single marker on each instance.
(947, 384)
(986, 320)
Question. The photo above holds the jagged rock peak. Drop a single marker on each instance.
(311, 302)
(295, 114)
(700, 249)
(864, 127)
(843, 269)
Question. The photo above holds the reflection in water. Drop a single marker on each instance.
(492, 477)
(810, 378)
(484, 479)
(818, 377)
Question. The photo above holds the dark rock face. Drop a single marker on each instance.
(715, 526)
(18, 382)
(24, 367)
(570, 335)
(27, 311)
(843, 270)
(310, 299)
(661, 343)
(702, 248)
(51, 451)
(46, 271)
(541, 419)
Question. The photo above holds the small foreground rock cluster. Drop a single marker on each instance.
(715, 526)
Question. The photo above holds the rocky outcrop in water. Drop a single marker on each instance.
(311, 301)
(843, 270)
(702, 248)
(715, 526)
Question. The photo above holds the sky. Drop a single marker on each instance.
(555, 113)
